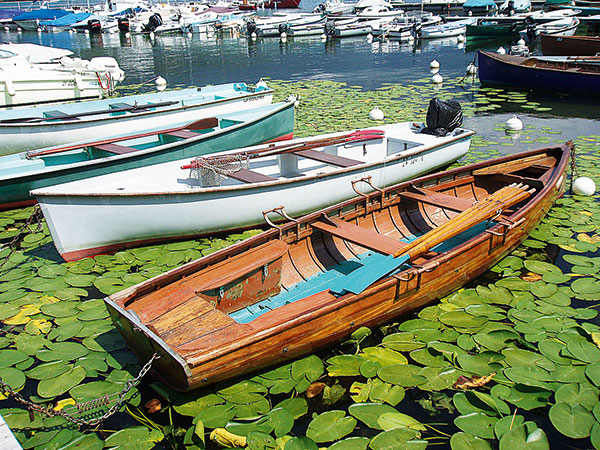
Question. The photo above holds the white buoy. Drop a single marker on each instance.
(369, 38)
(471, 69)
(152, 35)
(283, 35)
(86, 31)
(521, 42)
(434, 64)
(261, 84)
(460, 38)
(189, 34)
(501, 51)
(253, 36)
(323, 37)
(283, 39)
(39, 30)
(128, 34)
(584, 186)
(292, 98)
(19, 30)
(161, 83)
(514, 124)
(6, 29)
(376, 114)
(437, 78)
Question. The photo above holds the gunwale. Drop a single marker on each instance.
(283, 331)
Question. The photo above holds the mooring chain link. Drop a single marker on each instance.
(35, 218)
(574, 173)
(81, 407)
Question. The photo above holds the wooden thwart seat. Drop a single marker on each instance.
(184, 134)
(358, 235)
(120, 105)
(438, 199)
(249, 176)
(116, 148)
(55, 114)
(328, 158)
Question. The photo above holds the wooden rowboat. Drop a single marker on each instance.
(560, 44)
(539, 73)
(21, 172)
(228, 191)
(296, 288)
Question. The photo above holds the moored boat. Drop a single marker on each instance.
(446, 29)
(565, 26)
(539, 73)
(21, 172)
(49, 125)
(163, 202)
(493, 29)
(293, 289)
(565, 45)
(30, 20)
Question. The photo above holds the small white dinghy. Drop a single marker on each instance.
(233, 190)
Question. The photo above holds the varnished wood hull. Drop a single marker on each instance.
(199, 344)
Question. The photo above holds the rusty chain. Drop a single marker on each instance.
(81, 407)
(574, 172)
(34, 218)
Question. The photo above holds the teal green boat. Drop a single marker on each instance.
(492, 29)
(22, 172)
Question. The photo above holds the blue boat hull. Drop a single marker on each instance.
(494, 71)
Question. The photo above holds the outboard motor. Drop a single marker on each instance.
(320, 8)
(531, 28)
(416, 30)
(283, 28)
(330, 28)
(250, 27)
(154, 22)
(443, 117)
(123, 23)
(94, 26)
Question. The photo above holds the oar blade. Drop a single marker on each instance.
(363, 277)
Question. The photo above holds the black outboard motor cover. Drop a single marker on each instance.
(123, 24)
(330, 27)
(250, 27)
(443, 116)
(94, 26)
(154, 22)
(283, 28)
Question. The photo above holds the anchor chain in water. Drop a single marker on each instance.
(574, 173)
(34, 219)
(81, 407)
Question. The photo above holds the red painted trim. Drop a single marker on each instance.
(15, 205)
(285, 137)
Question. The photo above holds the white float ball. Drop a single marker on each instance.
(369, 37)
(521, 42)
(323, 37)
(584, 186)
(434, 64)
(376, 114)
(471, 69)
(501, 51)
(437, 78)
(514, 124)
(261, 84)
(283, 35)
(253, 35)
(460, 38)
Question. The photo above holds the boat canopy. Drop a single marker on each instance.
(42, 14)
(479, 3)
(67, 20)
(517, 5)
(10, 13)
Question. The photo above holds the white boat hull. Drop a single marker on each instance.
(31, 136)
(92, 222)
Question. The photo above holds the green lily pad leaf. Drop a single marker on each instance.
(369, 369)
(398, 439)
(65, 331)
(344, 365)
(402, 342)
(586, 286)
(352, 443)
(296, 406)
(495, 340)
(330, 426)
(109, 285)
(10, 357)
(462, 319)
(52, 270)
(478, 424)
(369, 413)
(50, 388)
(15, 378)
(584, 350)
(529, 376)
(466, 441)
(301, 443)
(438, 378)
(216, 416)
(573, 421)
(48, 370)
(481, 364)
(86, 441)
(63, 351)
(540, 267)
(93, 390)
(384, 356)
(428, 357)
(196, 406)
(507, 423)
(543, 290)
(583, 394)
(79, 280)
(48, 284)
(60, 309)
(384, 392)
(138, 438)
(392, 420)
(520, 438)
(524, 397)
(310, 367)
(282, 421)
(405, 375)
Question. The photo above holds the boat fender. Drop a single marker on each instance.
(10, 87)
(79, 82)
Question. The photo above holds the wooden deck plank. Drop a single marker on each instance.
(438, 199)
(249, 176)
(328, 158)
(184, 134)
(193, 307)
(116, 148)
(360, 236)
(197, 327)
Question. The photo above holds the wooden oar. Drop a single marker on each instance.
(360, 135)
(358, 280)
(201, 124)
(133, 108)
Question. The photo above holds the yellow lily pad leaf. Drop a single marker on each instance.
(63, 403)
(22, 317)
(37, 326)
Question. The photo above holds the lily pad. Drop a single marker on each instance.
(330, 426)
